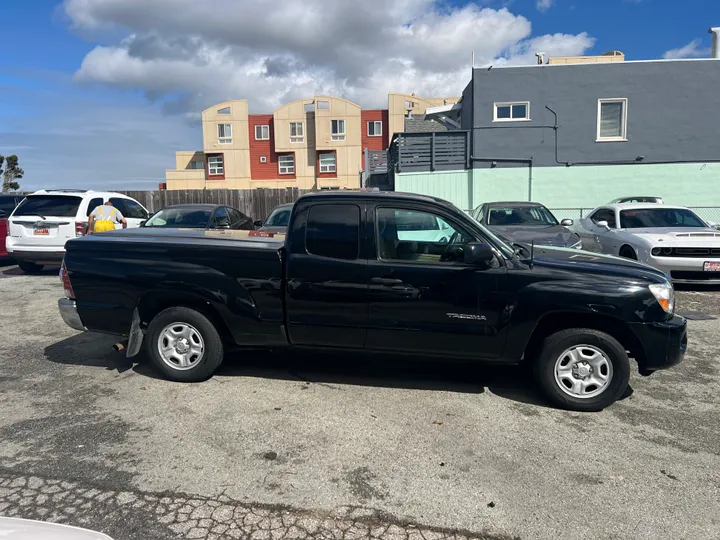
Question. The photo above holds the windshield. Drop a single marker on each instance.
(49, 205)
(659, 217)
(189, 218)
(520, 215)
(278, 217)
(501, 244)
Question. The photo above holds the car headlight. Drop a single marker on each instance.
(664, 293)
(577, 245)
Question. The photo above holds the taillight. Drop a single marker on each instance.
(66, 282)
(80, 228)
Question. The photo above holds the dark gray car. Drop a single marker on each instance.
(527, 222)
(278, 219)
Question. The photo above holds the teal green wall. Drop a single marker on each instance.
(686, 184)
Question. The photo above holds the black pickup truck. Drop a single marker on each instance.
(388, 272)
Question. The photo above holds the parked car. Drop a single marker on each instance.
(200, 216)
(278, 219)
(527, 222)
(41, 224)
(337, 283)
(27, 529)
(673, 239)
(627, 200)
(7, 205)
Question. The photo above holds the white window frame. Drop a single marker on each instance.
(264, 132)
(340, 135)
(286, 169)
(623, 135)
(298, 137)
(263, 159)
(328, 168)
(511, 104)
(377, 128)
(192, 164)
(227, 130)
(216, 170)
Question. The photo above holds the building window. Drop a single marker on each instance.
(324, 105)
(225, 133)
(512, 112)
(374, 129)
(286, 164)
(263, 159)
(309, 107)
(612, 120)
(196, 165)
(225, 110)
(262, 133)
(337, 131)
(409, 104)
(328, 163)
(215, 165)
(297, 132)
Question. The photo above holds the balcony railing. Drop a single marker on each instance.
(438, 151)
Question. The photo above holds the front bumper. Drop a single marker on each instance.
(664, 343)
(687, 269)
(69, 314)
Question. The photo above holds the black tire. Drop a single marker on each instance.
(553, 348)
(628, 253)
(213, 351)
(30, 267)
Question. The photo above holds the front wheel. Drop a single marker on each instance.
(584, 370)
(184, 345)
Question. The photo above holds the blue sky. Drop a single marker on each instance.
(101, 93)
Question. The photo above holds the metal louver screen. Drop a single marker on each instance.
(611, 119)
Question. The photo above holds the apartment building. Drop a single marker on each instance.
(317, 142)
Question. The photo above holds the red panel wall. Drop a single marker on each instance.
(374, 143)
(269, 169)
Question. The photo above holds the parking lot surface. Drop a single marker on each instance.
(340, 446)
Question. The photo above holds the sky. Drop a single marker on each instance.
(100, 94)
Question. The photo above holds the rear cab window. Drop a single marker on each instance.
(333, 231)
(49, 206)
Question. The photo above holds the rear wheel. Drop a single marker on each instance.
(628, 253)
(184, 345)
(29, 267)
(582, 369)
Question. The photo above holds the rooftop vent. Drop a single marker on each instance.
(715, 51)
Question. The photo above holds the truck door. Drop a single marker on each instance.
(327, 302)
(423, 298)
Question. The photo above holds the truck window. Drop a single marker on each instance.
(407, 235)
(333, 230)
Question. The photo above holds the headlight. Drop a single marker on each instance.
(576, 245)
(665, 295)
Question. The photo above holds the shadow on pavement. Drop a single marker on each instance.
(11, 270)
(361, 369)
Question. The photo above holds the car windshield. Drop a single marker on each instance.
(49, 205)
(659, 217)
(415, 221)
(502, 244)
(190, 218)
(520, 215)
(279, 217)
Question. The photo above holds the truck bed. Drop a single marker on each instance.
(228, 274)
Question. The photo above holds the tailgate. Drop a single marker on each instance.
(44, 220)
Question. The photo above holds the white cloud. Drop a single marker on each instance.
(190, 54)
(693, 49)
(544, 5)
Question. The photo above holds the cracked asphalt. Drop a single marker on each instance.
(340, 446)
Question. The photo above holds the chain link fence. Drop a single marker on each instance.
(708, 213)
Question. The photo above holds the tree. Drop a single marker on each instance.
(11, 174)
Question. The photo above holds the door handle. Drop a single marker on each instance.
(385, 281)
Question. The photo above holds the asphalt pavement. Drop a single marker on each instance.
(340, 446)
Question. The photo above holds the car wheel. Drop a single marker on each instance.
(30, 267)
(184, 345)
(581, 369)
(628, 253)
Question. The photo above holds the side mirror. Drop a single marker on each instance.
(711, 224)
(603, 225)
(478, 254)
(258, 223)
(143, 222)
(567, 222)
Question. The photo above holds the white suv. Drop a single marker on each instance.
(41, 224)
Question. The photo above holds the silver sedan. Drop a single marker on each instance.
(671, 238)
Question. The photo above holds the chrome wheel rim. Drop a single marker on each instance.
(181, 346)
(583, 371)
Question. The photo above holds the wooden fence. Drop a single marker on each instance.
(256, 203)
